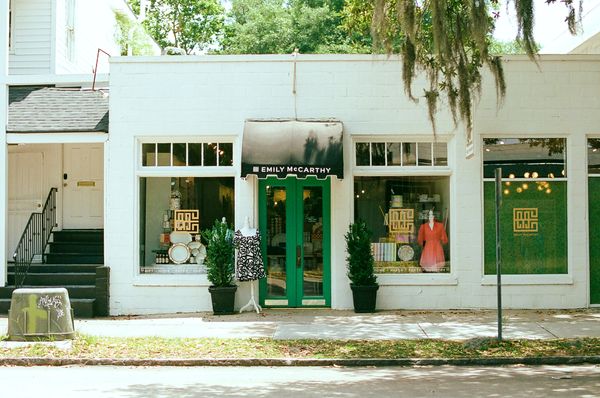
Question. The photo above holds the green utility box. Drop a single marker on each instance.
(40, 314)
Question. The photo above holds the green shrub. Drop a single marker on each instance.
(360, 258)
(219, 254)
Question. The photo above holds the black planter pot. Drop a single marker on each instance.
(364, 297)
(223, 299)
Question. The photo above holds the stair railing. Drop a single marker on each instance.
(35, 238)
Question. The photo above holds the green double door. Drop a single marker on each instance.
(294, 215)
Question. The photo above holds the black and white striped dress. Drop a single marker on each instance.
(249, 265)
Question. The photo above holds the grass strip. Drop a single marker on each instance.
(89, 347)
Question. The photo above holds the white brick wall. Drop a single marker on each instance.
(212, 96)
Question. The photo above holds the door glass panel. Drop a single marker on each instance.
(276, 241)
(312, 241)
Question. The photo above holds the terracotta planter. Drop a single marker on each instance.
(364, 297)
(223, 299)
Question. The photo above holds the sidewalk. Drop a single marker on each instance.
(333, 324)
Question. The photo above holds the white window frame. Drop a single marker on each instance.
(528, 279)
(411, 279)
(395, 140)
(70, 9)
(11, 27)
(179, 279)
(186, 142)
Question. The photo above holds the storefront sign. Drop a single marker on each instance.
(187, 221)
(525, 220)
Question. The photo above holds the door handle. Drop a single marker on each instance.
(298, 256)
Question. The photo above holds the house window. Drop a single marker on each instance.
(70, 29)
(405, 154)
(10, 26)
(398, 208)
(534, 205)
(187, 154)
(173, 211)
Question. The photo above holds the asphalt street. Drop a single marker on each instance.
(189, 382)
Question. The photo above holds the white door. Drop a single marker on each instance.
(83, 186)
(25, 193)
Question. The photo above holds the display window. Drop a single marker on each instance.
(409, 219)
(533, 214)
(173, 212)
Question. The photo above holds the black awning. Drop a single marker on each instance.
(292, 147)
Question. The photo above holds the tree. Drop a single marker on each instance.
(192, 25)
(280, 26)
(450, 41)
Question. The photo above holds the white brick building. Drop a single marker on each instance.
(187, 100)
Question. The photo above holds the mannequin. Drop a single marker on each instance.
(249, 260)
(432, 236)
(246, 230)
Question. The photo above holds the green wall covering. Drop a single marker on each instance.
(594, 219)
(541, 252)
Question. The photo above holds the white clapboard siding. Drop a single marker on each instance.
(31, 52)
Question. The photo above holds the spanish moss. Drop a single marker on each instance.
(449, 42)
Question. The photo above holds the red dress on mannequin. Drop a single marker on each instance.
(432, 257)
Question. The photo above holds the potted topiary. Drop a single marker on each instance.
(220, 267)
(361, 273)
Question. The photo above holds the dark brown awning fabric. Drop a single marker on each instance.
(293, 147)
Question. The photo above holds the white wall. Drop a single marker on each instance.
(32, 48)
(95, 27)
(3, 148)
(39, 43)
(212, 96)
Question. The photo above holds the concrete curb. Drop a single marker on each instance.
(374, 362)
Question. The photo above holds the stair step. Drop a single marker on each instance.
(75, 291)
(78, 235)
(57, 279)
(57, 268)
(76, 247)
(82, 308)
(74, 258)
